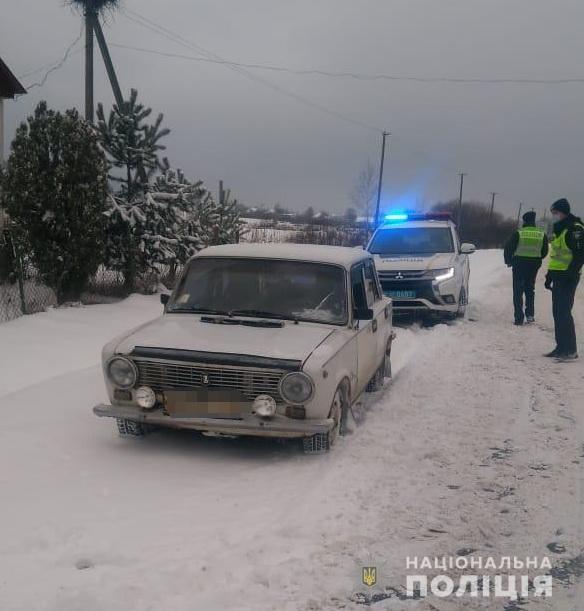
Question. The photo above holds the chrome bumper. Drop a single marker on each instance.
(278, 426)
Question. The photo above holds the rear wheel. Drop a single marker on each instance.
(323, 442)
(376, 382)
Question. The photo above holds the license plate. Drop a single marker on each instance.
(204, 403)
(401, 294)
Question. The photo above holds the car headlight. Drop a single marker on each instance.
(296, 388)
(443, 274)
(122, 372)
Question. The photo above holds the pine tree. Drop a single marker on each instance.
(54, 189)
(228, 224)
(132, 145)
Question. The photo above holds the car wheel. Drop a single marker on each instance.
(129, 428)
(462, 301)
(323, 442)
(376, 382)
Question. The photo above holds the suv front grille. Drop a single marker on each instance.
(168, 375)
(411, 274)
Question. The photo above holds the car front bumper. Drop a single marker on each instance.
(277, 426)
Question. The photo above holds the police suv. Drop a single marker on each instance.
(422, 265)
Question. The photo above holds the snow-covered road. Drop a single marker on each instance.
(478, 443)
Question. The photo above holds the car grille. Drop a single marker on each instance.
(165, 375)
(405, 275)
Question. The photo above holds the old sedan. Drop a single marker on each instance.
(270, 340)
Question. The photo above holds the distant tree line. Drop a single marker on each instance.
(477, 224)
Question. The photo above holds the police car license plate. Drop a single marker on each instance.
(401, 294)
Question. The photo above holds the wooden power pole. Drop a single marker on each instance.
(380, 184)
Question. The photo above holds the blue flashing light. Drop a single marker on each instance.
(396, 217)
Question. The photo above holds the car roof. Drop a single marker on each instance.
(336, 255)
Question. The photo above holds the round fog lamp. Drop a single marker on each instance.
(145, 397)
(264, 406)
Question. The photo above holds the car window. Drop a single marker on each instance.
(358, 288)
(412, 241)
(372, 289)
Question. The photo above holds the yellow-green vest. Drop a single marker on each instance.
(560, 253)
(530, 242)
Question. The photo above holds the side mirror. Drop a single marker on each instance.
(164, 298)
(363, 314)
(467, 248)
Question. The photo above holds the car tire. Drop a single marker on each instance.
(376, 382)
(462, 303)
(323, 442)
(129, 428)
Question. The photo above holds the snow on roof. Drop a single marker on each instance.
(338, 255)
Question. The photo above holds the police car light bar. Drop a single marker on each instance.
(396, 217)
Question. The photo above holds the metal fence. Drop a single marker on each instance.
(22, 291)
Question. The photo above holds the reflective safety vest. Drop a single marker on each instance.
(560, 253)
(530, 242)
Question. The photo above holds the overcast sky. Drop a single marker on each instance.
(524, 141)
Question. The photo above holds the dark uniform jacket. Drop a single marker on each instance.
(511, 247)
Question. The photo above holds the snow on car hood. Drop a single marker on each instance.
(417, 262)
(187, 332)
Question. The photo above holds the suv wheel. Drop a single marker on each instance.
(462, 303)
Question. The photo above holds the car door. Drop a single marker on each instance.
(378, 304)
(366, 329)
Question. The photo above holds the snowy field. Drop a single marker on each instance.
(477, 444)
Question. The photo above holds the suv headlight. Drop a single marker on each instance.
(296, 388)
(443, 274)
(122, 372)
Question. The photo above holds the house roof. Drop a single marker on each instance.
(9, 84)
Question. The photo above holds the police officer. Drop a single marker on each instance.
(524, 252)
(566, 260)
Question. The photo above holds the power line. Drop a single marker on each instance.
(55, 66)
(357, 75)
(210, 56)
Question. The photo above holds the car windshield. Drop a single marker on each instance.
(412, 241)
(267, 288)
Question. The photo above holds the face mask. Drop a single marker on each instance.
(556, 217)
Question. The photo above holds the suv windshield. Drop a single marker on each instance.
(267, 288)
(412, 240)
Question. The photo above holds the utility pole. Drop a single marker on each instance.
(379, 186)
(109, 66)
(90, 15)
(459, 216)
(493, 195)
(519, 212)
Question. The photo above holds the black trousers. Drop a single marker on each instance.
(563, 293)
(524, 277)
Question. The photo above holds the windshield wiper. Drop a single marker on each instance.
(195, 310)
(259, 314)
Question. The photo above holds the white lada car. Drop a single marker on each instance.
(257, 339)
(422, 265)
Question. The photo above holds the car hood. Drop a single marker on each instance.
(414, 262)
(188, 332)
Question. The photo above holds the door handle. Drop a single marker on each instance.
(374, 325)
